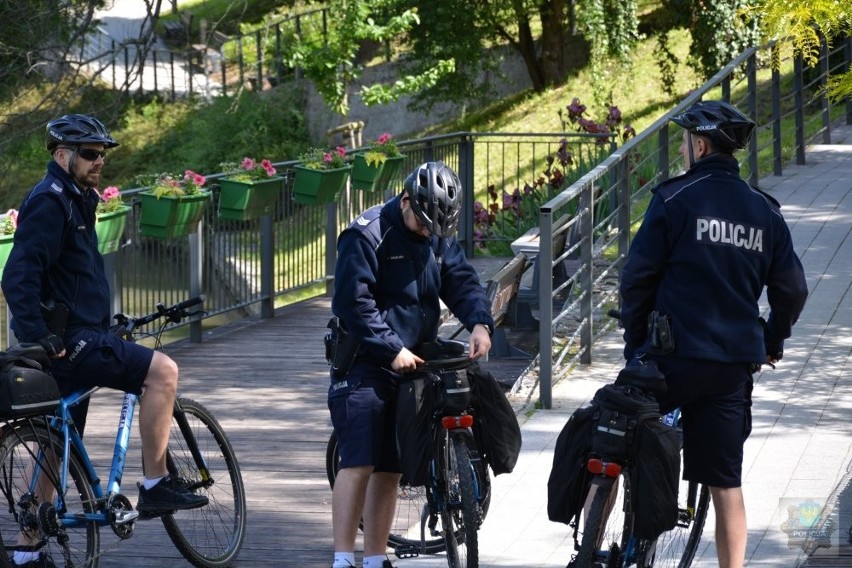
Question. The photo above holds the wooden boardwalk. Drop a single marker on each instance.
(266, 382)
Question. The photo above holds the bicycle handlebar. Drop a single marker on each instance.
(173, 313)
(445, 364)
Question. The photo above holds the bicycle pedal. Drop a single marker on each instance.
(124, 517)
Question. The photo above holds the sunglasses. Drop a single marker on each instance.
(91, 154)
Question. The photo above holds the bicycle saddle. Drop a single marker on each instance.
(440, 349)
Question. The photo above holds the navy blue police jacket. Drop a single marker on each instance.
(55, 258)
(707, 247)
(388, 283)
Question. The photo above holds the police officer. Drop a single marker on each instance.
(395, 263)
(708, 246)
(55, 262)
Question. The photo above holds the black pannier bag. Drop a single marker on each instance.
(495, 425)
(25, 389)
(654, 477)
(569, 478)
(415, 407)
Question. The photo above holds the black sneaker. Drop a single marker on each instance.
(387, 564)
(170, 494)
(43, 561)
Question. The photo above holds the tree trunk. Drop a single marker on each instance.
(527, 48)
(553, 61)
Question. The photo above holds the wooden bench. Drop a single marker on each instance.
(528, 245)
(502, 291)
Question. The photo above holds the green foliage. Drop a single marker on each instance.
(720, 32)
(799, 23)
(331, 60)
(668, 63)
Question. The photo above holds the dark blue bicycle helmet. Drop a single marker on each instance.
(727, 128)
(436, 196)
(75, 129)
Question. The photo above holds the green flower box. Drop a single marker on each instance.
(367, 177)
(170, 216)
(110, 228)
(243, 200)
(312, 187)
(6, 242)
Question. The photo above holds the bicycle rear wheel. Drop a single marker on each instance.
(411, 504)
(210, 536)
(462, 513)
(605, 523)
(52, 527)
(676, 548)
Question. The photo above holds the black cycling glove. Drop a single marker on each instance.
(52, 345)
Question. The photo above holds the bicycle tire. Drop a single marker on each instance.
(405, 537)
(461, 511)
(676, 548)
(606, 522)
(209, 536)
(50, 523)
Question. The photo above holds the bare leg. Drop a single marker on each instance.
(155, 413)
(347, 505)
(731, 532)
(379, 509)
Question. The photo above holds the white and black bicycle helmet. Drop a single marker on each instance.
(75, 129)
(727, 128)
(435, 193)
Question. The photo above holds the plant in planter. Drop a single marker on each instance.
(111, 218)
(377, 167)
(8, 226)
(173, 205)
(248, 189)
(320, 176)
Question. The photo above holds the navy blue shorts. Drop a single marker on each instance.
(363, 413)
(715, 402)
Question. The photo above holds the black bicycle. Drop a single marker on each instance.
(446, 512)
(44, 455)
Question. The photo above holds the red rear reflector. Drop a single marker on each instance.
(598, 467)
(455, 422)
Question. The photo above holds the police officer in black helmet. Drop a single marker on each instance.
(55, 261)
(708, 246)
(395, 263)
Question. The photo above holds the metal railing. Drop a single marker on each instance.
(248, 268)
(791, 110)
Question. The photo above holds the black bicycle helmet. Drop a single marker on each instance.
(76, 129)
(726, 127)
(435, 193)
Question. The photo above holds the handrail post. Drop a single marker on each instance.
(776, 111)
(848, 50)
(823, 81)
(196, 275)
(751, 66)
(798, 105)
(466, 167)
(624, 207)
(587, 228)
(330, 245)
(267, 267)
(545, 303)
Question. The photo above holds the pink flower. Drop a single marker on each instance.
(384, 138)
(12, 214)
(248, 163)
(194, 178)
(268, 167)
(341, 151)
(327, 157)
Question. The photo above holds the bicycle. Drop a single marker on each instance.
(606, 522)
(454, 502)
(40, 455)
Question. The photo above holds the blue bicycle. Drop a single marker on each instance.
(53, 500)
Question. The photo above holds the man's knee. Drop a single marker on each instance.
(163, 372)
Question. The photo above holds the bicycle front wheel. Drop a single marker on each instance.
(36, 515)
(461, 513)
(210, 536)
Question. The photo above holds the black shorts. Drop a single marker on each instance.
(715, 402)
(363, 413)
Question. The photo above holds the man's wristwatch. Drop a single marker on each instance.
(487, 327)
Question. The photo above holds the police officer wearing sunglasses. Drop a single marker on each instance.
(55, 262)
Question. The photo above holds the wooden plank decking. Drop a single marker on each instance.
(266, 382)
